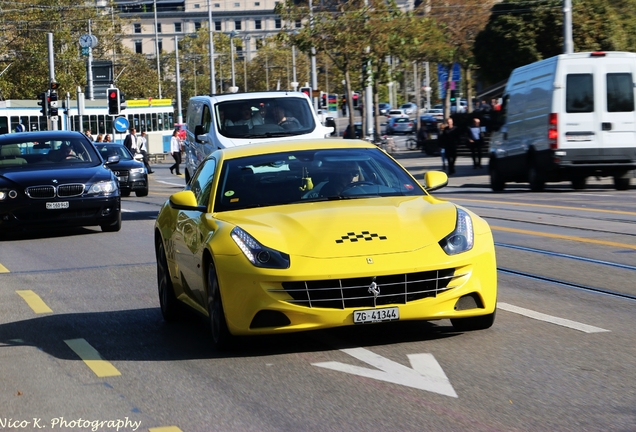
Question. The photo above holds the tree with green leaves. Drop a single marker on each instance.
(518, 33)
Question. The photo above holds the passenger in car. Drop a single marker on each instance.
(285, 121)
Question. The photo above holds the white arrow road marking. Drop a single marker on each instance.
(426, 374)
(549, 318)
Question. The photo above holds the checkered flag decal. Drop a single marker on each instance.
(364, 235)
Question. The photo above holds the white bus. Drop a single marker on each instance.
(155, 116)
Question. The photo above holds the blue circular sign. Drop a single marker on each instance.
(121, 124)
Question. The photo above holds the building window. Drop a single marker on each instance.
(160, 45)
(217, 25)
(237, 25)
(197, 6)
(197, 25)
(158, 27)
(259, 43)
(137, 27)
(257, 3)
(217, 5)
(177, 27)
(298, 24)
(237, 4)
(278, 25)
(138, 49)
(257, 24)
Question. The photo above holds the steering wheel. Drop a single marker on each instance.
(356, 184)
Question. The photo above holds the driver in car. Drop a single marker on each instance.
(342, 179)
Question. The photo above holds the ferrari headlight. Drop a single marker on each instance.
(462, 237)
(103, 188)
(256, 253)
(137, 170)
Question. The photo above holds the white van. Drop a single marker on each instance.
(234, 119)
(567, 118)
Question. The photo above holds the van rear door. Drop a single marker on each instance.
(599, 113)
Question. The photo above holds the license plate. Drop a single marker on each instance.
(57, 205)
(376, 315)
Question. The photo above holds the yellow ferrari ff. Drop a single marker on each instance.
(292, 236)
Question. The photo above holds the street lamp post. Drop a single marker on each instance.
(212, 72)
(234, 88)
(157, 49)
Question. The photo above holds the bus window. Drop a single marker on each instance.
(93, 124)
(154, 121)
(160, 122)
(142, 123)
(101, 124)
(43, 123)
(170, 119)
(109, 125)
(4, 125)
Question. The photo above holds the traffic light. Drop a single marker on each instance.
(356, 98)
(453, 96)
(44, 103)
(53, 102)
(323, 100)
(307, 91)
(122, 101)
(114, 103)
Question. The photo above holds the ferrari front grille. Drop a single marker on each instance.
(369, 291)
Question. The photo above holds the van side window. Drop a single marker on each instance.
(579, 93)
(620, 92)
(206, 119)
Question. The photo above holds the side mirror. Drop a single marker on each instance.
(112, 160)
(185, 200)
(434, 180)
(198, 130)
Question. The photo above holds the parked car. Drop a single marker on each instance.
(395, 113)
(437, 113)
(131, 172)
(56, 179)
(384, 107)
(357, 126)
(252, 243)
(409, 108)
(402, 125)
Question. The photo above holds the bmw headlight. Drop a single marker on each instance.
(103, 188)
(137, 170)
(256, 253)
(462, 237)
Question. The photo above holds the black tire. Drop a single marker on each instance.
(113, 227)
(497, 183)
(474, 323)
(221, 337)
(167, 300)
(124, 193)
(411, 144)
(621, 183)
(579, 182)
(142, 193)
(535, 178)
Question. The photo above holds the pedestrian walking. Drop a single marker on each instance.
(451, 138)
(175, 150)
(475, 142)
(142, 147)
(130, 142)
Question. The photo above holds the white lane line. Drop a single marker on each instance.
(551, 319)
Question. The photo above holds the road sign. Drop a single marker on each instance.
(121, 124)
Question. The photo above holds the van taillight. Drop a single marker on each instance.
(597, 54)
(553, 132)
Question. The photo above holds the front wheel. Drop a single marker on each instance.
(497, 183)
(142, 192)
(221, 336)
(579, 182)
(474, 323)
(621, 183)
(167, 300)
(113, 227)
(411, 143)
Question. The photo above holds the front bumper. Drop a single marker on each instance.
(255, 300)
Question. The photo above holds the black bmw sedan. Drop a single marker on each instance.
(131, 173)
(56, 179)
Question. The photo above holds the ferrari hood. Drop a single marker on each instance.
(348, 228)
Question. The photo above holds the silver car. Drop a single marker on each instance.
(402, 125)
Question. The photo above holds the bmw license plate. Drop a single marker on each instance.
(57, 205)
(376, 315)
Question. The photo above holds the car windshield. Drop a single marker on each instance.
(402, 120)
(23, 153)
(264, 118)
(107, 150)
(309, 176)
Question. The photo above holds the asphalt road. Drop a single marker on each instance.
(560, 356)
